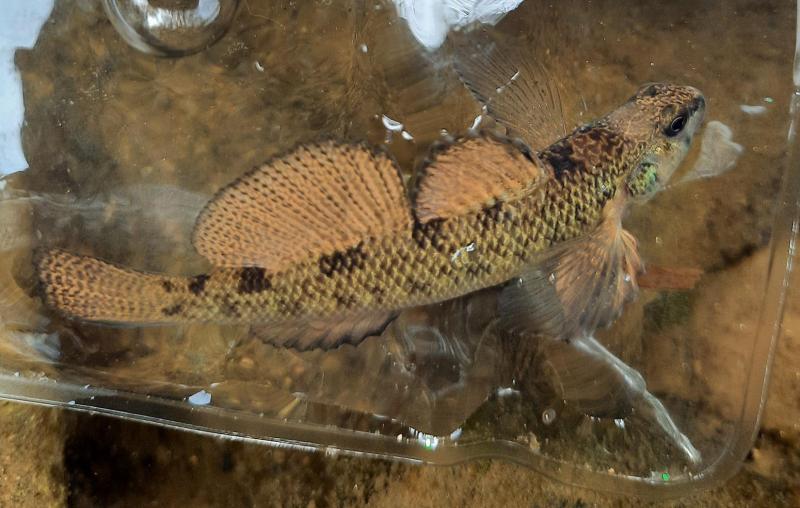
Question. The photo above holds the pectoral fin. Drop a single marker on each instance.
(579, 287)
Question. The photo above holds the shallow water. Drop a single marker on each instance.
(123, 149)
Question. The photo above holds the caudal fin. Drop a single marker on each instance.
(87, 288)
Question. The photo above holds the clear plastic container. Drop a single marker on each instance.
(111, 151)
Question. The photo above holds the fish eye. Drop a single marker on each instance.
(676, 125)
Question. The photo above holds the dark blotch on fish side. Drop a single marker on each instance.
(169, 287)
(197, 284)
(253, 279)
(494, 212)
(429, 234)
(560, 158)
(172, 311)
(342, 261)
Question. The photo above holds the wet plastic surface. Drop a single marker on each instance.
(120, 150)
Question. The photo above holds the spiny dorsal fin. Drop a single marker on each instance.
(475, 173)
(318, 199)
(515, 88)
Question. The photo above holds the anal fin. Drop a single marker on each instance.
(324, 333)
(447, 323)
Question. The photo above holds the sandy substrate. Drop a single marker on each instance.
(31, 456)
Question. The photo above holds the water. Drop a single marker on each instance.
(117, 150)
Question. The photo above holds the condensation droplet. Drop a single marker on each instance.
(548, 416)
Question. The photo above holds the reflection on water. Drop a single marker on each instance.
(122, 149)
(171, 28)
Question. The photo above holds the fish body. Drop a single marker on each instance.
(301, 246)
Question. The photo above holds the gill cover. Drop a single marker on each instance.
(663, 118)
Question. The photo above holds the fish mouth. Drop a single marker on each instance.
(697, 110)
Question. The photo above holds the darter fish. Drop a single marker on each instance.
(324, 245)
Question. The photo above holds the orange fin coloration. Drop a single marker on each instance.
(318, 199)
(88, 288)
(472, 174)
(579, 287)
(327, 333)
(515, 89)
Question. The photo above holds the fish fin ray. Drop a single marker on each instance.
(516, 90)
(579, 287)
(324, 333)
(474, 173)
(318, 199)
(88, 288)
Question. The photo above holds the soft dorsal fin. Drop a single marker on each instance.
(475, 173)
(318, 199)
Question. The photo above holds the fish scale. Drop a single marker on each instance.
(423, 273)
(502, 244)
(327, 230)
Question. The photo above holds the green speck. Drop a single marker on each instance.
(665, 477)
(769, 100)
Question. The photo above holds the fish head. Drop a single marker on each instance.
(662, 119)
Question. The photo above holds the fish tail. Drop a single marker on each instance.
(91, 289)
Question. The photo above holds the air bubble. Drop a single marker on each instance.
(548, 416)
(171, 27)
